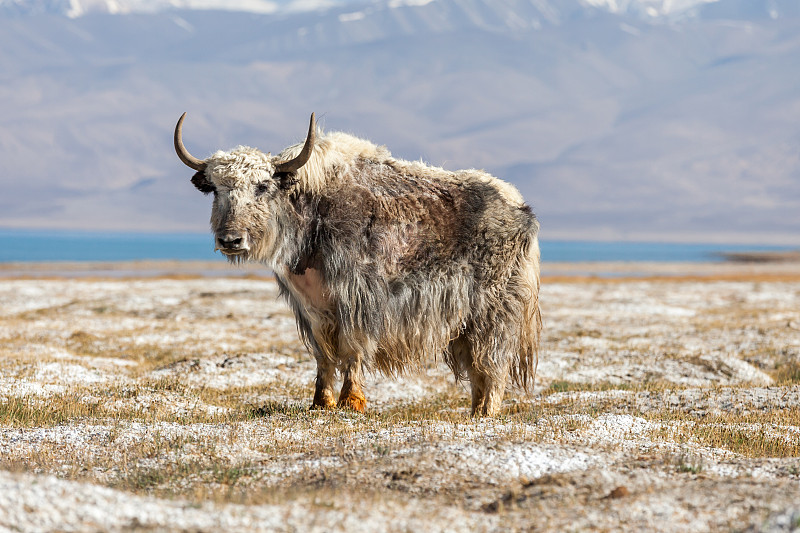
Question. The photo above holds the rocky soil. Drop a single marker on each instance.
(666, 400)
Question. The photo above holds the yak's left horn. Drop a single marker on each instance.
(304, 155)
(188, 159)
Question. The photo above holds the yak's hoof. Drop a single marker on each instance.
(485, 410)
(353, 401)
(324, 401)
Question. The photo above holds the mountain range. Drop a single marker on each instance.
(617, 119)
(653, 9)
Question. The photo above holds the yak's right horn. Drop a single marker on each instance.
(304, 155)
(188, 159)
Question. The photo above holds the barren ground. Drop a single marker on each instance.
(666, 400)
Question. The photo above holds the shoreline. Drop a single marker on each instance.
(172, 268)
(783, 270)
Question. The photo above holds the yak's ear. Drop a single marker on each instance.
(200, 181)
(286, 180)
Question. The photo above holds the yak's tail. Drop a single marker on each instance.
(523, 373)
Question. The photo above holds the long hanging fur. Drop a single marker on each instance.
(414, 262)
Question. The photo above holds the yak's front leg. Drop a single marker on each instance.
(323, 391)
(352, 395)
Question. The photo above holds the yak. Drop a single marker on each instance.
(387, 264)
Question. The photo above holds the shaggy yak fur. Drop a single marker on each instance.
(386, 263)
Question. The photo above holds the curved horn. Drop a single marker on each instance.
(305, 153)
(188, 159)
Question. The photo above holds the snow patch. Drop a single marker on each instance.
(614, 428)
(70, 374)
(245, 370)
(15, 388)
(512, 461)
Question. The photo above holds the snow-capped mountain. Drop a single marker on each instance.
(649, 8)
(616, 119)
(644, 9)
(78, 8)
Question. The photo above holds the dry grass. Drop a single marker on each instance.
(736, 434)
(199, 390)
(781, 277)
(787, 373)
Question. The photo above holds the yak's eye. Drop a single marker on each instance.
(262, 188)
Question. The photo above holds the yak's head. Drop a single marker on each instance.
(249, 188)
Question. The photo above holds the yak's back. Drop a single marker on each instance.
(394, 217)
(337, 155)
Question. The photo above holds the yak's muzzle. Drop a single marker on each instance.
(233, 243)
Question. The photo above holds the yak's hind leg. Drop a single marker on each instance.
(461, 363)
(488, 389)
(502, 340)
(486, 360)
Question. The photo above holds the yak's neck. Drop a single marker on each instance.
(289, 233)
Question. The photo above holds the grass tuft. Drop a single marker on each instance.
(688, 465)
(55, 410)
(787, 374)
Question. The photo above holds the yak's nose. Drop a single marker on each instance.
(232, 242)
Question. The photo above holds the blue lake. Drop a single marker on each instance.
(31, 246)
